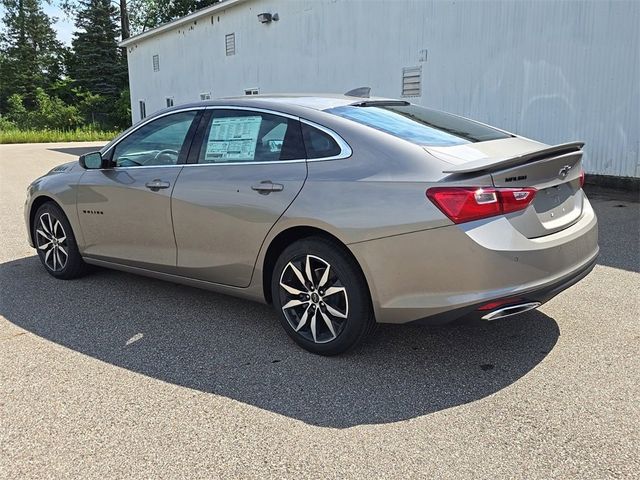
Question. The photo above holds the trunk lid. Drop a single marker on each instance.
(517, 162)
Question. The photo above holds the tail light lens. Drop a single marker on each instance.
(581, 177)
(499, 303)
(463, 204)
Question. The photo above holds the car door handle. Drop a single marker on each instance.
(157, 184)
(266, 187)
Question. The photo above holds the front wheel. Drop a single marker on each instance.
(321, 296)
(56, 244)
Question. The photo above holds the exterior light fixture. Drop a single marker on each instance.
(268, 18)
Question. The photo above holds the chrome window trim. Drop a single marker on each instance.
(251, 109)
(146, 166)
(272, 162)
(134, 166)
(345, 149)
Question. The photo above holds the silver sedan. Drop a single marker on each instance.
(341, 211)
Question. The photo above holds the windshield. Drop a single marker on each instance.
(420, 125)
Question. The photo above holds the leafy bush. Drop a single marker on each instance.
(122, 110)
(16, 111)
(49, 113)
(52, 120)
(6, 124)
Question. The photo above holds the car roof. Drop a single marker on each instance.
(313, 101)
(305, 105)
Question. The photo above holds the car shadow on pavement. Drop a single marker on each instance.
(75, 151)
(235, 348)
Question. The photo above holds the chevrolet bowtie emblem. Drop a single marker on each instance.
(564, 171)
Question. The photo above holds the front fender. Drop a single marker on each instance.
(60, 188)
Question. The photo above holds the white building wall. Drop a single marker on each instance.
(552, 71)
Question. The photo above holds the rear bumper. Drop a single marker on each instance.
(540, 295)
(443, 274)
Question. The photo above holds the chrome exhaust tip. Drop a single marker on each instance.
(511, 310)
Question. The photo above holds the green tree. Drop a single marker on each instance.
(31, 57)
(146, 14)
(97, 64)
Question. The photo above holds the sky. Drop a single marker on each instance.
(63, 27)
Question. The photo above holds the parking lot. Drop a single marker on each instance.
(116, 376)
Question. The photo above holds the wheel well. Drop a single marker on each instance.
(286, 238)
(37, 203)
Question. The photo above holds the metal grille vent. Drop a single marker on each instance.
(412, 81)
(156, 63)
(230, 44)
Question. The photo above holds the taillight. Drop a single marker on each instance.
(581, 177)
(463, 204)
(499, 303)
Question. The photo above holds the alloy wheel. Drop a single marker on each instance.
(51, 240)
(313, 298)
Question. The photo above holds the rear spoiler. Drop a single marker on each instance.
(493, 164)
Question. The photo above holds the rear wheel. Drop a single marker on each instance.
(55, 243)
(321, 296)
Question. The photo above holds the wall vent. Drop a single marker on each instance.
(230, 44)
(156, 63)
(412, 81)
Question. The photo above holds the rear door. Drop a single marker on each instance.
(249, 168)
(125, 210)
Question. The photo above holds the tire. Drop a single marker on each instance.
(332, 315)
(50, 218)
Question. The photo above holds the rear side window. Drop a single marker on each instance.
(318, 143)
(248, 136)
(420, 125)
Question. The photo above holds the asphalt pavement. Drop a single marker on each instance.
(119, 376)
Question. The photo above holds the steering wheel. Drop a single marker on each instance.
(126, 161)
(171, 154)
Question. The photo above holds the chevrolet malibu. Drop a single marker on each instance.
(341, 211)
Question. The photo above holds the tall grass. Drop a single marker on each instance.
(48, 136)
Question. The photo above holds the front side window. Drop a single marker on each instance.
(157, 143)
(420, 125)
(247, 136)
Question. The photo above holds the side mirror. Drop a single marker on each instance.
(91, 161)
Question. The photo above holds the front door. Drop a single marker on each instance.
(250, 167)
(125, 210)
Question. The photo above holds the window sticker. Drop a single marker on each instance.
(233, 139)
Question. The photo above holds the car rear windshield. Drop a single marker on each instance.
(420, 125)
